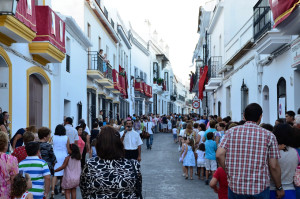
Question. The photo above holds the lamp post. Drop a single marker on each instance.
(8, 7)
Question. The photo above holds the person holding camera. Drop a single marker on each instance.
(132, 142)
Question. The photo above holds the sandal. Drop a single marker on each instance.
(52, 195)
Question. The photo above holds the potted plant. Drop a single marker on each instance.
(154, 80)
(159, 81)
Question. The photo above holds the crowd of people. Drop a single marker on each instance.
(242, 159)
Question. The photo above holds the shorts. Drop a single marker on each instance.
(200, 163)
(164, 126)
(175, 136)
(210, 165)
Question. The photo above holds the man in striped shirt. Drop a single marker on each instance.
(37, 169)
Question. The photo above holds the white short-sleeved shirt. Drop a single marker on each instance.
(174, 131)
(132, 140)
(201, 133)
(148, 127)
(181, 133)
(71, 133)
(87, 130)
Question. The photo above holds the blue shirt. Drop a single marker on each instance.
(208, 131)
(210, 149)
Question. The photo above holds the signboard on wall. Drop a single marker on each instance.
(295, 47)
(281, 108)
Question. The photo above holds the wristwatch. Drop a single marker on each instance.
(279, 188)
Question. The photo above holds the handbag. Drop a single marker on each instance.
(138, 185)
(297, 173)
(145, 134)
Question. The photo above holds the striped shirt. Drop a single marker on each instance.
(37, 169)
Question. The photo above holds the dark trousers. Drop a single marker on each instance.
(131, 154)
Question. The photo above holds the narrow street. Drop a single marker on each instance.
(162, 173)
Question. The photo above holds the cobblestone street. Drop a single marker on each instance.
(162, 173)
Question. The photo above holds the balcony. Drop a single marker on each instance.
(17, 26)
(214, 66)
(181, 98)
(107, 81)
(266, 38)
(49, 44)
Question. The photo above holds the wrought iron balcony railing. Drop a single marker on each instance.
(96, 62)
(262, 19)
(214, 65)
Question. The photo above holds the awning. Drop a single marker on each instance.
(281, 9)
(202, 81)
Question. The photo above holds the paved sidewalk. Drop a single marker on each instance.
(162, 173)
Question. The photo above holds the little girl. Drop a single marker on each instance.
(183, 148)
(189, 158)
(174, 131)
(20, 186)
(200, 154)
(72, 170)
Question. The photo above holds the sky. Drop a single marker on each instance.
(175, 22)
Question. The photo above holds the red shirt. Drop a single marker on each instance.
(221, 176)
(248, 149)
(20, 153)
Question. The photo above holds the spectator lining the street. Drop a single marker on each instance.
(269, 127)
(220, 178)
(20, 152)
(210, 156)
(17, 139)
(71, 131)
(290, 117)
(200, 156)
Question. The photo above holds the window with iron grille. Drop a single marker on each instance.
(141, 75)
(136, 73)
(105, 13)
(262, 18)
(98, 2)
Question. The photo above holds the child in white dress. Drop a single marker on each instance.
(200, 156)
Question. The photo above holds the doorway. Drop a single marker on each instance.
(266, 105)
(35, 101)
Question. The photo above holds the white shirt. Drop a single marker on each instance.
(148, 127)
(71, 133)
(181, 133)
(87, 130)
(132, 140)
(174, 131)
(201, 133)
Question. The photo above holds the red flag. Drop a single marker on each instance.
(281, 9)
(202, 82)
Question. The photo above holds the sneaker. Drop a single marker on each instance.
(206, 182)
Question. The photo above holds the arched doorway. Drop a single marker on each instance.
(35, 101)
(281, 98)
(266, 105)
(4, 85)
(38, 98)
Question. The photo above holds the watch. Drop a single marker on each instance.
(279, 188)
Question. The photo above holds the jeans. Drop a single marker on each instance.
(297, 192)
(263, 195)
(149, 141)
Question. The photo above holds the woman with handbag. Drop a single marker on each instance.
(288, 161)
(110, 175)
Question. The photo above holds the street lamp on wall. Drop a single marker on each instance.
(199, 62)
(8, 7)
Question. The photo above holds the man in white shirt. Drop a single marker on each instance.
(71, 131)
(132, 142)
(149, 128)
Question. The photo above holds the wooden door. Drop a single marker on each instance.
(35, 101)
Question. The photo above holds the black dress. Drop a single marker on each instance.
(110, 179)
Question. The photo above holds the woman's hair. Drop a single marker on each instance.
(202, 126)
(109, 145)
(202, 147)
(189, 128)
(43, 132)
(192, 143)
(269, 127)
(196, 125)
(221, 124)
(3, 140)
(1, 120)
(19, 185)
(95, 125)
(28, 137)
(60, 130)
(31, 129)
(219, 119)
(75, 152)
(94, 142)
(284, 134)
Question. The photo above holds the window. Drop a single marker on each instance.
(145, 77)
(141, 75)
(155, 70)
(281, 98)
(99, 43)
(112, 23)
(105, 13)
(68, 53)
(107, 52)
(114, 61)
(244, 97)
(89, 31)
(98, 2)
(166, 78)
(136, 73)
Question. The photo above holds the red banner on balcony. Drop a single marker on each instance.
(122, 72)
(150, 91)
(50, 27)
(116, 79)
(202, 82)
(146, 89)
(26, 13)
(281, 9)
(122, 84)
(138, 86)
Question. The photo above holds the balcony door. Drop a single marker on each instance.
(35, 101)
